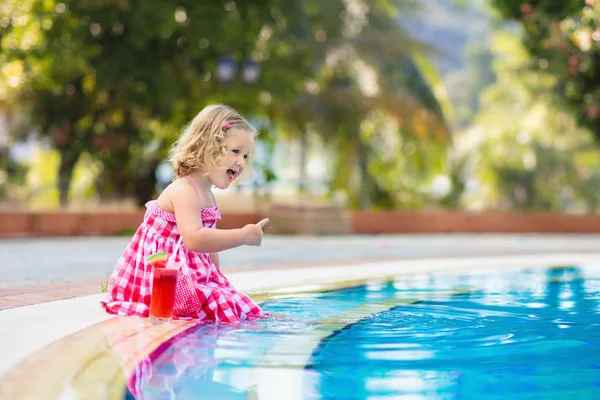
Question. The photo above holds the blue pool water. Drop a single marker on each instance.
(531, 334)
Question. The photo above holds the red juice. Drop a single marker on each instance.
(163, 293)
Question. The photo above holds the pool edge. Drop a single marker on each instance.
(313, 279)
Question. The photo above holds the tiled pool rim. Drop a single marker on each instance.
(86, 338)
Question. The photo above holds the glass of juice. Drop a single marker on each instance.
(164, 281)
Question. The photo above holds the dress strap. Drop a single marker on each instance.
(193, 182)
(173, 257)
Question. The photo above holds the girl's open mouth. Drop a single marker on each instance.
(231, 174)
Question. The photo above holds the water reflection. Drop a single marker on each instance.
(184, 367)
(535, 331)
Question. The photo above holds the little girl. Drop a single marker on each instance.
(214, 150)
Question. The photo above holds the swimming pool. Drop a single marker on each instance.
(531, 334)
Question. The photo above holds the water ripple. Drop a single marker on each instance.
(534, 334)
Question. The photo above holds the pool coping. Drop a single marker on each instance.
(14, 296)
(30, 336)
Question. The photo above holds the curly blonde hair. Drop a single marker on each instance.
(202, 144)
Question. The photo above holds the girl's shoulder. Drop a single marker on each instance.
(165, 198)
(182, 189)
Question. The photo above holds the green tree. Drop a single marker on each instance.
(117, 79)
(517, 151)
(12, 174)
(563, 39)
(372, 75)
(465, 85)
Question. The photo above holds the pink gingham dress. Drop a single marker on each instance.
(202, 291)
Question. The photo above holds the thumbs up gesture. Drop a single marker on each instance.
(253, 234)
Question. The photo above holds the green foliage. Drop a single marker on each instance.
(518, 9)
(104, 284)
(525, 151)
(563, 40)
(12, 175)
(372, 95)
(465, 85)
(116, 79)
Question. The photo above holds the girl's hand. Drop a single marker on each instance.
(253, 234)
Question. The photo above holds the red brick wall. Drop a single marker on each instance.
(237, 220)
(492, 222)
(66, 223)
(306, 221)
(59, 223)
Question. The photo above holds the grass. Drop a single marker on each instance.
(104, 285)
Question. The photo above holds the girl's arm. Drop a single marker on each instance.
(187, 208)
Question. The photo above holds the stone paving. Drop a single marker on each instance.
(43, 269)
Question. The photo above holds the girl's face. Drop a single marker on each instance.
(238, 145)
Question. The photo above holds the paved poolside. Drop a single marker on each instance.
(32, 261)
(36, 270)
(84, 338)
(43, 270)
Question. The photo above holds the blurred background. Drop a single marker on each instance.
(361, 104)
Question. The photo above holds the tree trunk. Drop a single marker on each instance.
(366, 186)
(68, 159)
(122, 181)
(344, 167)
(113, 182)
(101, 185)
(302, 163)
(145, 184)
